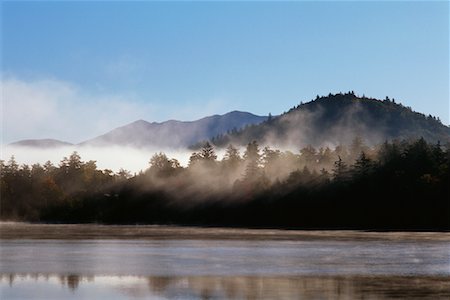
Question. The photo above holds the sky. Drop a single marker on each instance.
(75, 70)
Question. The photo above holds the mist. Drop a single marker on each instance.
(350, 186)
(334, 120)
(114, 158)
(64, 110)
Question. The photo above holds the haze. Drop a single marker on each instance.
(112, 158)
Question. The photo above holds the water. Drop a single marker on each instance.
(148, 262)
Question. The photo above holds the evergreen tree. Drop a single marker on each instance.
(341, 152)
(194, 159)
(363, 165)
(123, 174)
(252, 159)
(309, 155)
(252, 152)
(340, 170)
(270, 156)
(325, 156)
(74, 161)
(13, 167)
(324, 175)
(49, 167)
(231, 158)
(357, 146)
(207, 152)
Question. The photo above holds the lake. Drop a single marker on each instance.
(39, 261)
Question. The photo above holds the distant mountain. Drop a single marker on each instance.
(41, 143)
(174, 134)
(339, 119)
(331, 120)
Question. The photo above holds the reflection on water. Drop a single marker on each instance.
(230, 287)
(223, 258)
(100, 262)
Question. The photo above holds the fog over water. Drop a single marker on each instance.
(44, 261)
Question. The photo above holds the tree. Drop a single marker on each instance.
(324, 156)
(363, 165)
(37, 170)
(339, 170)
(270, 156)
(207, 152)
(419, 156)
(49, 167)
(161, 165)
(123, 174)
(12, 167)
(205, 158)
(438, 154)
(341, 152)
(302, 177)
(356, 147)
(388, 152)
(324, 175)
(252, 159)
(273, 163)
(71, 164)
(159, 161)
(308, 155)
(194, 159)
(252, 152)
(75, 161)
(231, 158)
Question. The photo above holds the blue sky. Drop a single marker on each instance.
(73, 70)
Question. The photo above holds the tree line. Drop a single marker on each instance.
(395, 185)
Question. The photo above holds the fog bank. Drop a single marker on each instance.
(113, 158)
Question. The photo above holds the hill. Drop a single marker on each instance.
(338, 119)
(41, 143)
(174, 134)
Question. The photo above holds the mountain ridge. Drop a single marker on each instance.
(327, 120)
(166, 134)
(173, 133)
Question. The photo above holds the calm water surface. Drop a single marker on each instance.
(148, 262)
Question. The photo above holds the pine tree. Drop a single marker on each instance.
(252, 158)
(207, 152)
(231, 158)
(339, 170)
(194, 159)
(363, 165)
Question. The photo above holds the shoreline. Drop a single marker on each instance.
(21, 230)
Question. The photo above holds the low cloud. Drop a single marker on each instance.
(52, 108)
(113, 157)
(57, 109)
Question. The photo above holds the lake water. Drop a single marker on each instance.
(157, 262)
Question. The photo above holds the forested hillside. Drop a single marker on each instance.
(337, 119)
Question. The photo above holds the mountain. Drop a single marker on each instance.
(338, 119)
(174, 134)
(331, 120)
(41, 143)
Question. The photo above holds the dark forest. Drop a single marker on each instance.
(401, 185)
